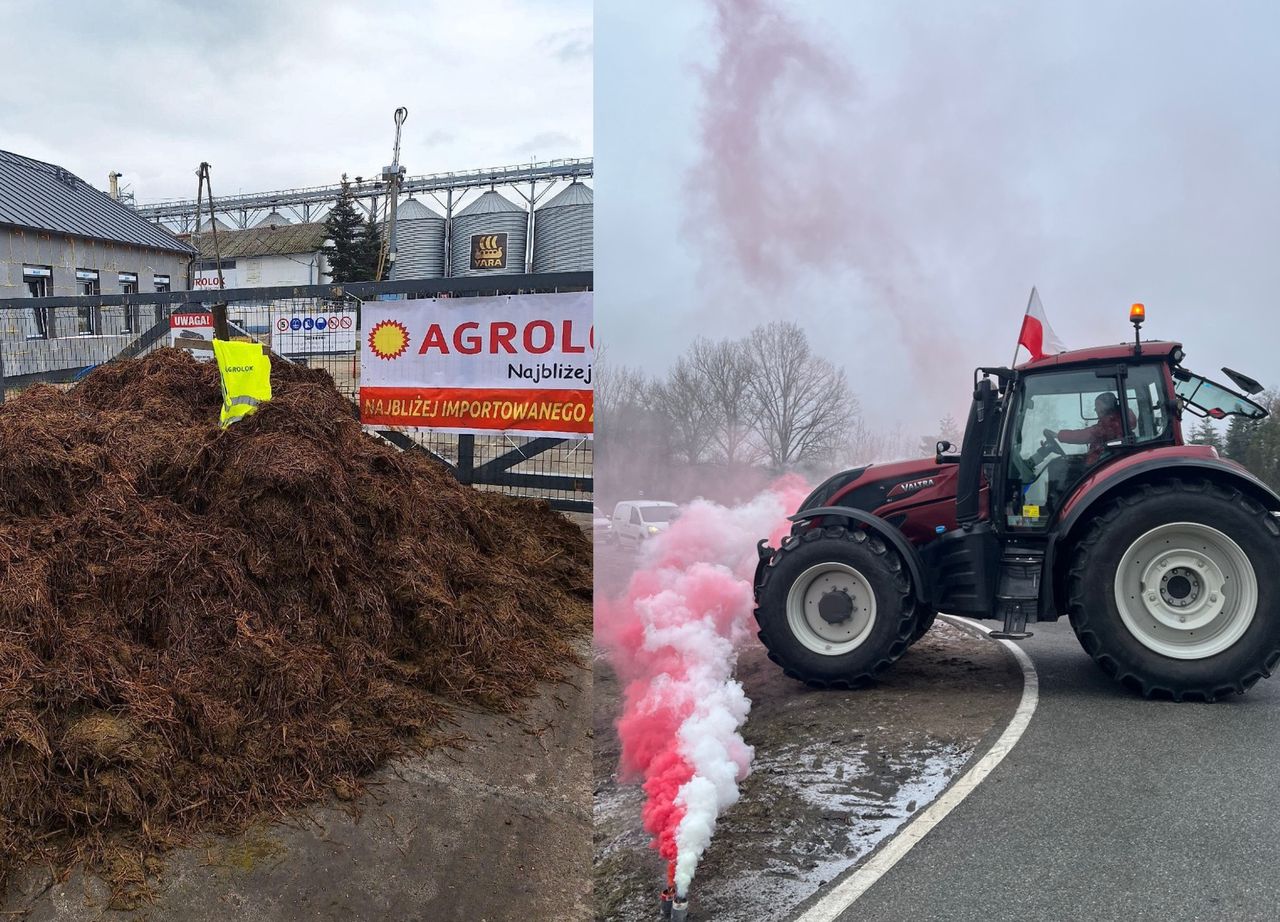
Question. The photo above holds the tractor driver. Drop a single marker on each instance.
(1066, 469)
(1108, 428)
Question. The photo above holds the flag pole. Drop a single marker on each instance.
(1018, 345)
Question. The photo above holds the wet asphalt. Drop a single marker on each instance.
(1109, 807)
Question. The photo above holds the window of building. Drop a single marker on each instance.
(161, 283)
(87, 282)
(39, 283)
(129, 286)
(88, 285)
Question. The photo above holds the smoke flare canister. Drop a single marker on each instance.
(664, 902)
(679, 910)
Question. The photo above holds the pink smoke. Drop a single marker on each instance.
(804, 174)
(673, 639)
(774, 217)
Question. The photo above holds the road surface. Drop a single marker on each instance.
(1109, 807)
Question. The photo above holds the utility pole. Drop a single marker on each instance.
(220, 328)
(394, 176)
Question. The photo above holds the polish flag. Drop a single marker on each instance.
(1037, 336)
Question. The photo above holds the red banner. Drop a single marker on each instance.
(531, 410)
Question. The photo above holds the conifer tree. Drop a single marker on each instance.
(1239, 434)
(345, 249)
(370, 251)
(1207, 434)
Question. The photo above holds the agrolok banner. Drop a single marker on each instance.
(520, 364)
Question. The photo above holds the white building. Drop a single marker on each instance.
(272, 253)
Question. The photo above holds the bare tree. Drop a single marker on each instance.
(948, 431)
(632, 440)
(614, 386)
(683, 399)
(726, 369)
(803, 404)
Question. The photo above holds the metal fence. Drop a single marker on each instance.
(59, 340)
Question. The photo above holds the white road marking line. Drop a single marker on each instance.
(844, 894)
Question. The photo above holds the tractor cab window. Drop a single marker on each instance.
(1067, 423)
(1203, 397)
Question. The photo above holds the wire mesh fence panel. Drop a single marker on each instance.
(58, 341)
(57, 345)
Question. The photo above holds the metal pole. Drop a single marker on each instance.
(396, 176)
(529, 228)
(220, 329)
(448, 233)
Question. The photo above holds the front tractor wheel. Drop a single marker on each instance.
(835, 607)
(1174, 591)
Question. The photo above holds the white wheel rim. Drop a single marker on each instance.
(1186, 590)
(848, 598)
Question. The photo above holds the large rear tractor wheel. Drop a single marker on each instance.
(1175, 591)
(835, 607)
(924, 620)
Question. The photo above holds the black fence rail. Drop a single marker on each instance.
(59, 340)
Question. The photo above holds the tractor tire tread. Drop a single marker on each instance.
(893, 567)
(1079, 573)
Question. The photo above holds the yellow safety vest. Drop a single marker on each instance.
(245, 369)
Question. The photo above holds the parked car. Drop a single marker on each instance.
(635, 521)
(601, 525)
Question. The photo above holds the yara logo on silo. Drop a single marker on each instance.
(489, 251)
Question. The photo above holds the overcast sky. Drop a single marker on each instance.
(290, 93)
(896, 177)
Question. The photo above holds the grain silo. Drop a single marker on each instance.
(419, 241)
(488, 237)
(275, 219)
(562, 232)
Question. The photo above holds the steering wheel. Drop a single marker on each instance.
(1051, 442)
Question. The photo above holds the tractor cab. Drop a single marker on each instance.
(1057, 422)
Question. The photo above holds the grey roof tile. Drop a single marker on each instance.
(286, 240)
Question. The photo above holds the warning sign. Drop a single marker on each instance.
(188, 327)
(308, 334)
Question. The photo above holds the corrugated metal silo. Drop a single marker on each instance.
(275, 218)
(563, 237)
(488, 237)
(419, 241)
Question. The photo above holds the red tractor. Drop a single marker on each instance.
(1072, 494)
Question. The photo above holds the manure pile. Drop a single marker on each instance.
(199, 628)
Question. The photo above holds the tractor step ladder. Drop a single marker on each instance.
(1018, 592)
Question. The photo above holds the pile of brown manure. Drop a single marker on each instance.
(202, 627)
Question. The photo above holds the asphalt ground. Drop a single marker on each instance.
(498, 830)
(1109, 807)
(835, 772)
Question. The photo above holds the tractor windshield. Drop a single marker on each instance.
(1208, 398)
(1065, 423)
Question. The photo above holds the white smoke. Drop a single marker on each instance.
(711, 742)
(692, 599)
